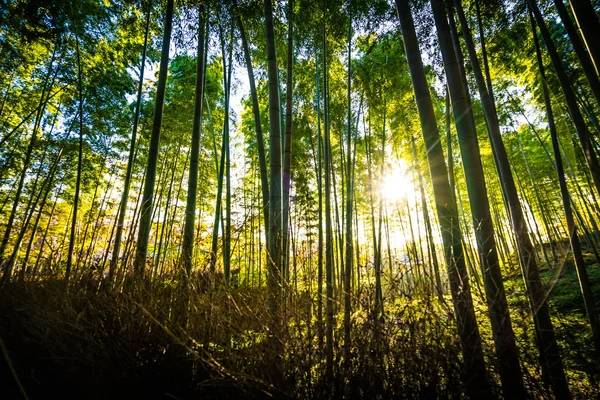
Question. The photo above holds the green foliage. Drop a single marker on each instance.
(413, 350)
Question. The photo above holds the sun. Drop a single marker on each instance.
(396, 185)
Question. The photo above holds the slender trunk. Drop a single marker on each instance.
(127, 183)
(217, 219)
(583, 56)
(570, 98)
(320, 332)
(510, 370)
(227, 70)
(90, 259)
(32, 141)
(29, 211)
(336, 226)
(430, 243)
(47, 190)
(219, 168)
(141, 251)
(549, 350)
(88, 221)
(372, 209)
(159, 236)
(160, 264)
(587, 20)
(264, 178)
(378, 258)
(446, 208)
(329, 243)
(349, 199)
(190, 210)
(274, 242)
(572, 228)
(43, 241)
(133, 225)
(287, 147)
(79, 166)
(488, 77)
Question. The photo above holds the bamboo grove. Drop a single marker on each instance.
(300, 199)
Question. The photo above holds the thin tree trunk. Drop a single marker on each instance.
(549, 350)
(43, 241)
(572, 228)
(583, 56)
(372, 209)
(570, 98)
(32, 141)
(190, 210)
(79, 166)
(287, 147)
(141, 251)
(132, 146)
(89, 260)
(29, 211)
(227, 70)
(510, 370)
(587, 20)
(274, 242)
(264, 178)
(378, 258)
(43, 203)
(329, 243)
(430, 243)
(159, 236)
(89, 220)
(446, 208)
(319, 167)
(349, 239)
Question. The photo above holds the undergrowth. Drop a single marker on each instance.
(85, 342)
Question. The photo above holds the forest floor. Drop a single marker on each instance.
(100, 345)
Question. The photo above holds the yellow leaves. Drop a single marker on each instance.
(486, 151)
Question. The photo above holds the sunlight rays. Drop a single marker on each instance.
(396, 185)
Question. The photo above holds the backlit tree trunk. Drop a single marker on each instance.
(446, 207)
(141, 251)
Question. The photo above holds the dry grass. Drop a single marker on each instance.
(100, 344)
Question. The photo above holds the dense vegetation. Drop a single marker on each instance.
(299, 199)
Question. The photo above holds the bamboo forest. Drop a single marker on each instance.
(300, 199)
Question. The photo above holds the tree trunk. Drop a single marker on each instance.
(141, 251)
(264, 178)
(468, 330)
(43, 203)
(566, 201)
(287, 147)
(570, 98)
(190, 210)
(329, 243)
(227, 70)
(46, 86)
(583, 56)
(29, 211)
(349, 240)
(274, 242)
(79, 165)
(549, 350)
(127, 183)
(378, 257)
(587, 20)
(510, 370)
(430, 243)
(320, 333)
